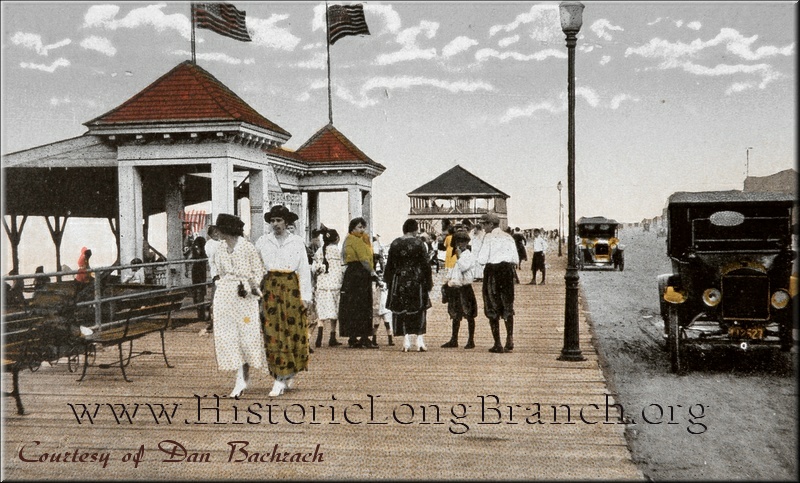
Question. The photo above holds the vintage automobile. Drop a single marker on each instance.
(732, 257)
(598, 245)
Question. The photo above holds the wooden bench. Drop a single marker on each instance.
(41, 331)
(135, 311)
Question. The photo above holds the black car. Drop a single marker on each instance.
(598, 244)
(732, 258)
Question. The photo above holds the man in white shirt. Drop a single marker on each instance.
(212, 245)
(539, 247)
(500, 258)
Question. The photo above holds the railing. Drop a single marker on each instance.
(102, 277)
(449, 210)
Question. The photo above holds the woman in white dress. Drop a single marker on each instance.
(237, 327)
(329, 270)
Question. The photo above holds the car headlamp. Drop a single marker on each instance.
(712, 297)
(780, 299)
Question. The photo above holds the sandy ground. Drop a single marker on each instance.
(732, 417)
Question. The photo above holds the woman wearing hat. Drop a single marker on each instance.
(287, 295)
(237, 331)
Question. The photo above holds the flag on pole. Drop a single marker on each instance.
(222, 18)
(344, 20)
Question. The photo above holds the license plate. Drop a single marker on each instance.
(746, 332)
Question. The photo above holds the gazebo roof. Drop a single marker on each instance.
(459, 182)
(186, 94)
(328, 145)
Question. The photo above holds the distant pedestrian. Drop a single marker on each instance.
(134, 274)
(83, 275)
(519, 240)
(377, 253)
(500, 258)
(41, 280)
(198, 271)
(409, 281)
(539, 249)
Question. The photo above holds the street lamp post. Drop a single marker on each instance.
(560, 221)
(747, 166)
(571, 20)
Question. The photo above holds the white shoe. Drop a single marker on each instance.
(290, 383)
(238, 388)
(277, 389)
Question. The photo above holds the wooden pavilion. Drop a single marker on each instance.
(455, 195)
(184, 139)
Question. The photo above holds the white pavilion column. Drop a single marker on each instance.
(354, 207)
(302, 218)
(174, 206)
(313, 212)
(367, 212)
(221, 188)
(258, 200)
(131, 214)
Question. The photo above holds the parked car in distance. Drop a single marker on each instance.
(732, 257)
(598, 244)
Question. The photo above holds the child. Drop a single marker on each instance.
(461, 302)
(379, 311)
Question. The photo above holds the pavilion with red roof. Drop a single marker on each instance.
(184, 139)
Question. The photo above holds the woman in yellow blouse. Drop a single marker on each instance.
(355, 304)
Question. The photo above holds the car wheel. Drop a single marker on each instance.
(621, 264)
(676, 356)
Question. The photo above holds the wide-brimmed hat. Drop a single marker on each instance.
(229, 224)
(280, 211)
(490, 218)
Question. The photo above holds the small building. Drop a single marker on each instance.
(455, 195)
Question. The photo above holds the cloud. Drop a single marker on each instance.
(531, 109)
(620, 98)
(61, 62)
(486, 54)
(542, 19)
(269, 34)
(739, 87)
(104, 17)
(100, 44)
(54, 101)
(410, 50)
(589, 95)
(34, 42)
(679, 55)
(317, 61)
(605, 59)
(384, 84)
(213, 57)
(506, 41)
(678, 23)
(654, 22)
(601, 27)
(694, 25)
(458, 45)
(316, 85)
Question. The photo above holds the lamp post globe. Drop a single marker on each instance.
(571, 14)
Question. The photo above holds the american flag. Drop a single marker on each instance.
(344, 20)
(194, 221)
(222, 18)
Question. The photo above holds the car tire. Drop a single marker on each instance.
(676, 352)
(621, 264)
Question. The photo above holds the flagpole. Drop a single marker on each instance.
(328, 45)
(191, 16)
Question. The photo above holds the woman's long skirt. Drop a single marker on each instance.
(237, 332)
(355, 302)
(285, 324)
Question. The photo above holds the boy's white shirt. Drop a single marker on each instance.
(464, 271)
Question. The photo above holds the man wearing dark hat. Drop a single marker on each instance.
(499, 257)
(287, 295)
(237, 331)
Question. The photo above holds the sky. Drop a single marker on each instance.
(670, 96)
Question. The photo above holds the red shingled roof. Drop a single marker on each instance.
(187, 93)
(328, 145)
(457, 181)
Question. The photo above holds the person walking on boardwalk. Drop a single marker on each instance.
(409, 281)
(355, 302)
(237, 332)
(519, 240)
(83, 275)
(539, 249)
(198, 271)
(499, 257)
(330, 271)
(287, 295)
(461, 302)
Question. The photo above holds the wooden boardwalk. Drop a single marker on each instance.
(357, 413)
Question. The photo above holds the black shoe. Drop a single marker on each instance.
(353, 342)
(332, 342)
(509, 348)
(497, 349)
(367, 344)
(451, 343)
(391, 342)
(470, 345)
